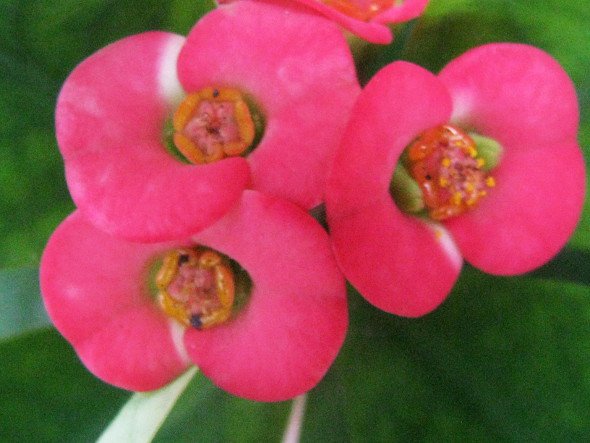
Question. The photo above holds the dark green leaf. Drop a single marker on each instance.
(567, 266)
(503, 359)
(47, 396)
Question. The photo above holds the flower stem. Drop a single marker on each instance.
(295, 422)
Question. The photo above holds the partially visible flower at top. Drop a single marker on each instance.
(487, 167)
(369, 19)
(256, 301)
(257, 96)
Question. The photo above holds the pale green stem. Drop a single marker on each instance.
(295, 422)
(142, 416)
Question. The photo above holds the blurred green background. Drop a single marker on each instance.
(504, 359)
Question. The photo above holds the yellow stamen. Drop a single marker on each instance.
(199, 149)
(196, 287)
(445, 164)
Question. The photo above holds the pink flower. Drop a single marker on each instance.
(96, 288)
(243, 66)
(524, 211)
(369, 19)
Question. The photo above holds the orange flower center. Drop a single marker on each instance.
(212, 124)
(363, 10)
(196, 287)
(445, 163)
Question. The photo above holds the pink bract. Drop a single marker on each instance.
(112, 110)
(513, 93)
(299, 69)
(109, 123)
(96, 291)
(375, 30)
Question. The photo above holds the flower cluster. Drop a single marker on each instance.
(193, 164)
(486, 164)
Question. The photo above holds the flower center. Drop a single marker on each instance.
(212, 124)
(196, 287)
(363, 10)
(445, 163)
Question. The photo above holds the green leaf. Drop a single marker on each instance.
(48, 396)
(141, 417)
(567, 266)
(20, 303)
(501, 359)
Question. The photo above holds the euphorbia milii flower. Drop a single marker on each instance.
(255, 96)
(487, 168)
(369, 19)
(256, 301)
